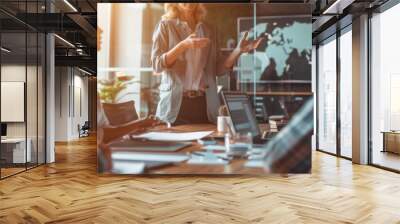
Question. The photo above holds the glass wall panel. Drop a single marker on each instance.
(13, 86)
(327, 96)
(346, 94)
(385, 84)
(22, 90)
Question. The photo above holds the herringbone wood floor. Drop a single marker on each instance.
(70, 191)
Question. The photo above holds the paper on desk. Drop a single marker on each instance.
(127, 167)
(207, 158)
(214, 147)
(256, 163)
(148, 157)
(168, 136)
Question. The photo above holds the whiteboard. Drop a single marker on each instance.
(12, 101)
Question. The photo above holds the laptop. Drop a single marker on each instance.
(242, 116)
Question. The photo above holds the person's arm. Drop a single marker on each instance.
(232, 58)
(172, 55)
(244, 46)
(111, 133)
(190, 42)
(159, 48)
(163, 58)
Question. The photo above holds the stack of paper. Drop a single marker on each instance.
(168, 136)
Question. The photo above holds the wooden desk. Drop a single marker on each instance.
(236, 166)
(14, 152)
(391, 141)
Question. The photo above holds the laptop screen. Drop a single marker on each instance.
(241, 113)
(3, 129)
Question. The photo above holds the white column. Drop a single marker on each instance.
(360, 90)
(50, 99)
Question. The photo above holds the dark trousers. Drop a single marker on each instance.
(192, 111)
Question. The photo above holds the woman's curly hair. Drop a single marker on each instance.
(172, 11)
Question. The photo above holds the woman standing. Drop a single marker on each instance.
(185, 52)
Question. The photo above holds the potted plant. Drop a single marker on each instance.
(110, 93)
(110, 90)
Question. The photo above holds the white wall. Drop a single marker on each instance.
(71, 94)
(33, 127)
(16, 73)
(104, 22)
(61, 103)
(122, 46)
(81, 103)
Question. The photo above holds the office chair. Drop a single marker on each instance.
(120, 113)
(84, 130)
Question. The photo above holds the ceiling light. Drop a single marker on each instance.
(84, 71)
(70, 5)
(338, 6)
(5, 50)
(64, 40)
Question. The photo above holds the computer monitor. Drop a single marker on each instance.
(3, 130)
(273, 107)
(241, 113)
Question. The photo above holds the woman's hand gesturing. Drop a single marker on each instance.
(192, 42)
(246, 46)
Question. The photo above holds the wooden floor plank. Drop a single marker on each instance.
(70, 191)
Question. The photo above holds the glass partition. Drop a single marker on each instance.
(346, 93)
(13, 105)
(32, 97)
(385, 89)
(327, 96)
(22, 90)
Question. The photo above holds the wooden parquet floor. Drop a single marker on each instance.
(70, 191)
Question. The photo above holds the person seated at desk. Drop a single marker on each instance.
(184, 51)
(107, 133)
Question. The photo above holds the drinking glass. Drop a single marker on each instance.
(238, 144)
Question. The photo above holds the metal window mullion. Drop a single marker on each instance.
(37, 91)
(0, 96)
(26, 87)
(338, 94)
(369, 95)
(317, 97)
